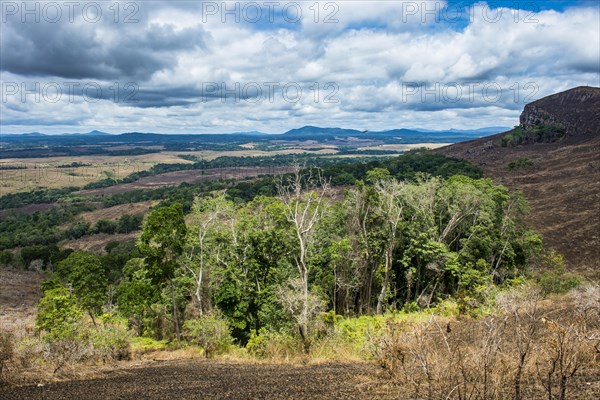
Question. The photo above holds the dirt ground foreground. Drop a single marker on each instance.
(207, 379)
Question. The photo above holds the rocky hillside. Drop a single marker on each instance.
(557, 168)
(577, 110)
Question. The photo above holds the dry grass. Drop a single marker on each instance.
(19, 293)
(529, 349)
(43, 173)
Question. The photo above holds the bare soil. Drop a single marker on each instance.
(206, 379)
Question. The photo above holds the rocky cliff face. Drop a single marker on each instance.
(577, 110)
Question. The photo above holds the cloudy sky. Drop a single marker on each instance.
(211, 67)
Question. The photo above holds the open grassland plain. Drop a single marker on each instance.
(190, 176)
(27, 174)
(58, 172)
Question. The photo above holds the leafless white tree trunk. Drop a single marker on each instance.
(303, 197)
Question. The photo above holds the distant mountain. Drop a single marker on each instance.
(292, 133)
(315, 130)
(560, 177)
(30, 135)
(250, 133)
(483, 131)
(97, 133)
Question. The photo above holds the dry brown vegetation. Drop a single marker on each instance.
(529, 348)
(44, 172)
(96, 243)
(19, 293)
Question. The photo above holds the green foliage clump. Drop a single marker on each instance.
(110, 340)
(270, 344)
(556, 279)
(85, 274)
(60, 318)
(358, 330)
(210, 332)
(520, 163)
(59, 315)
(6, 258)
(144, 344)
(542, 133)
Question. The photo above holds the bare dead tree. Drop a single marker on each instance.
(303, 198)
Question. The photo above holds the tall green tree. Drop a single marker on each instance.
(84, 273)
(162, 243)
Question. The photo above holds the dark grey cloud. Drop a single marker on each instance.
(103, 50)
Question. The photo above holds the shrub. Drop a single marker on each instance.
(110, 341)
(143, 345)
(59, 315)
(209, 332)
(60, 318)
(542, 133)
(267, 344)
(520, 163)
(556, 279)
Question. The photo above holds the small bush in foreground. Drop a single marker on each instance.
(209, 332)
(266, 344)
(556, 279)
(110, 341)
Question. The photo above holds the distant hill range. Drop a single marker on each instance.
(313, 133)
(554, 158)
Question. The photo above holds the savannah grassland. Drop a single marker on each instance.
(56, 172)
(526, 336)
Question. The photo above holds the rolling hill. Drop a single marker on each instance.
(557, 168)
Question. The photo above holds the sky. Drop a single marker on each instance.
(270, 66)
